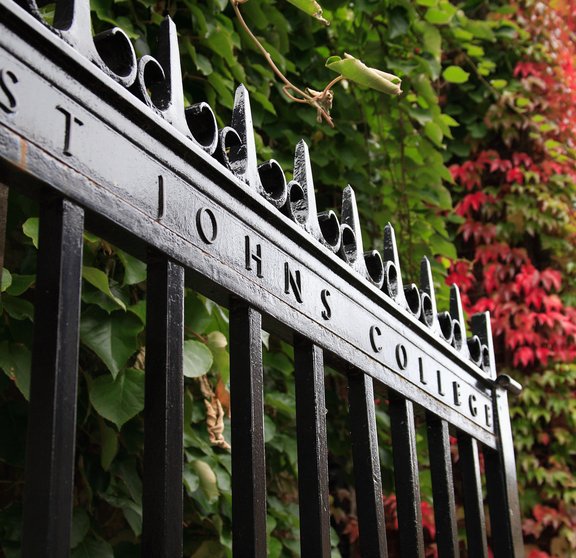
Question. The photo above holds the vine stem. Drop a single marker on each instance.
(315, 100)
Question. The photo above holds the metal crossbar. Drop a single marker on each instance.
(104, 142)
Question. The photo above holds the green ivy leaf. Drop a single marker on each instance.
(207, 479)
(440, 16)
(118, 399)
(30, 229)
(6, 279)
(108, 445)
(139, 309)
(18, 308)
(498, 83)
(355, 70)
(99, 279)
(80, 527)
(134, 269)
(269, 429)
(15, 360)
(219, 40)
(20, 284)
(432, 40)
(310, 7)
(114, 337)
(398, 22)
(197, 359)
(281, 402)
(433, 132)
(455, 74)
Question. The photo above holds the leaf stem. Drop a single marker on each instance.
(321, 101)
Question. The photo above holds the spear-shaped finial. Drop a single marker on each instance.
(163, 78)
(482, 327)
(237, 151)
(301, 203)
(439, 322)
(409, 296)
(368, 264)
(111, 50)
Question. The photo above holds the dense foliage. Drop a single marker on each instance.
(475, 166)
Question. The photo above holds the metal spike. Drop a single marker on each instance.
(111, 50)
(439, 322)
(393, 285)
(482, 327)
(197, 122)
(406, 296)
(429, 308)
(368, 264)
(301, 203)
(459, 340)
(237, 152)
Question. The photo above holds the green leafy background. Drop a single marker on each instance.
(455, 62)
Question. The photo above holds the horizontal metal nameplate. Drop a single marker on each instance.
(112, 156)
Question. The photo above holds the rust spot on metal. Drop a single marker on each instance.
(23, 153)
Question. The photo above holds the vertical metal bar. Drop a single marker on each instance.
(163, 409)
(312, 450)
(505, 519)
(406, 477)
(473, 501)
(52, 414)
(4, 190)
(248, 456)
(367, 474)
(442, 486)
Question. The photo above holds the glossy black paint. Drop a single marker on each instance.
(3, 214)
(312, 450)
(107, 135)
(442, 486)
(406, 478)
(502, 486)
(52, 413)
(364, 436)
(163, 409)
(473, 502)
(248, 457)
(127, 202)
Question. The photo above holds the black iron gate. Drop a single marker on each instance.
(104, 142)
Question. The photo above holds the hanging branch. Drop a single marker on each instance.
(349, 68)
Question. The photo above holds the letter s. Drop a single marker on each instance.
(4, 86)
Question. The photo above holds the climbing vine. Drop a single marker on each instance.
(474, 164)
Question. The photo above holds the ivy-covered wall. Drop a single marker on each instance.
(473, 163)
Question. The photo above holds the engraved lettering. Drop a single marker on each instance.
(472, 405)
(293, 282)
(375, 332)
(439, 381)
(70, 120)
(421, 368)
(488, 415)
(253, 256)
(11, 103)
(401, 356)
(206, 225)
(160, 197)
(327, 312)
(457, 394)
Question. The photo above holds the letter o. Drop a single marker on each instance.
(401, 356)
(201, 225)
